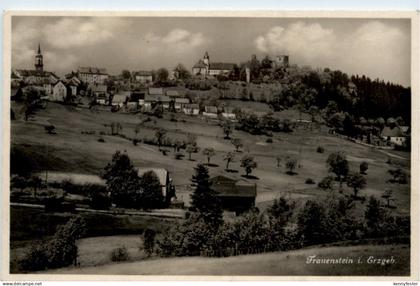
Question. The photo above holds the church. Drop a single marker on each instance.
(206, 68)
(38, 76)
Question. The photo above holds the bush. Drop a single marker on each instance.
(269, 140)
(119, 254)
(135, 141)
(320, 149)
(35, 259)
(309, 181)
(102, 140)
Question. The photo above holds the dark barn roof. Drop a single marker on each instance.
(227, 187)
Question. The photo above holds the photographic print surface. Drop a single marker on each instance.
(222, 146)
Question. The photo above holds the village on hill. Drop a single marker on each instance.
(220, 159)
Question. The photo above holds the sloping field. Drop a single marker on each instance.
(270, 264)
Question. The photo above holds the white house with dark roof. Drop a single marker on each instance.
(210, 111)
(394, 135)
(143, 76)
(59, 92)
(191, 109)
(92, 75)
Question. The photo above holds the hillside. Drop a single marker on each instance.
(279, 264)
(73, 150)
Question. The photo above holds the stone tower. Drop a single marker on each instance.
(39, 62)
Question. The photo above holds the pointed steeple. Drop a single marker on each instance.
(39, 61)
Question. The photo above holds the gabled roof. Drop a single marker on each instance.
(192, 106)
(182, 100)
(26, 73)
(394, 132)
(92, 70)
(200, 64)
(210, 109)
(221, 66)
(155, 91)
(98, 87)
(156, 98)
(161, 173)
(228, 187)
(143, 73)
(119, 98)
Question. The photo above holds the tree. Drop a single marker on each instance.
(160, 134)
(291, 164)
(50, 129)
(149, 236)
(364, 166)
(181, 72)
(126, 74)
(123, 181)
(137, 130)
(208, 152)
(237, 143)
(162, 75)
(204, 199)
(398, 176)
(356, 182)
(62, 250)
(374, 216)
(248, 163)
(311, 223)
(338, 165)
(387, 195)
(152, 196)
(227, 129)
(190, 149)
(281, 211)
(229, 157)
(326, 183)
(278, 160)
(36, 183)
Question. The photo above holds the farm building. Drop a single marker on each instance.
(210, 111)
(143, 76)
(59, 92)
(228, 113)
(120, 99)
(164, 179)
(180, 103)
(191, 109)
(155, 91)
(151, 99)
(394, 135)
(236, 196)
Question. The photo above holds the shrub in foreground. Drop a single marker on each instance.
(119, 254)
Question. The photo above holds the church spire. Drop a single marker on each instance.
(39, 61)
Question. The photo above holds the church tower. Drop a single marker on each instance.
(39, 62)
(206, 60)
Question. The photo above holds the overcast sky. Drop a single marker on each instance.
(379, 48)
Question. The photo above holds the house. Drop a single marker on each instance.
(151, 99)
(206, 68)
(120, 99)
(155, 90)
(143, 76)
(59, 92)
(210, 111)
(394, 135)
(237, 196)
(92, 75)
(228, 113)
(180, 103)
(191, 109)
(138, 96)
(164, 179)
(100, 92)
